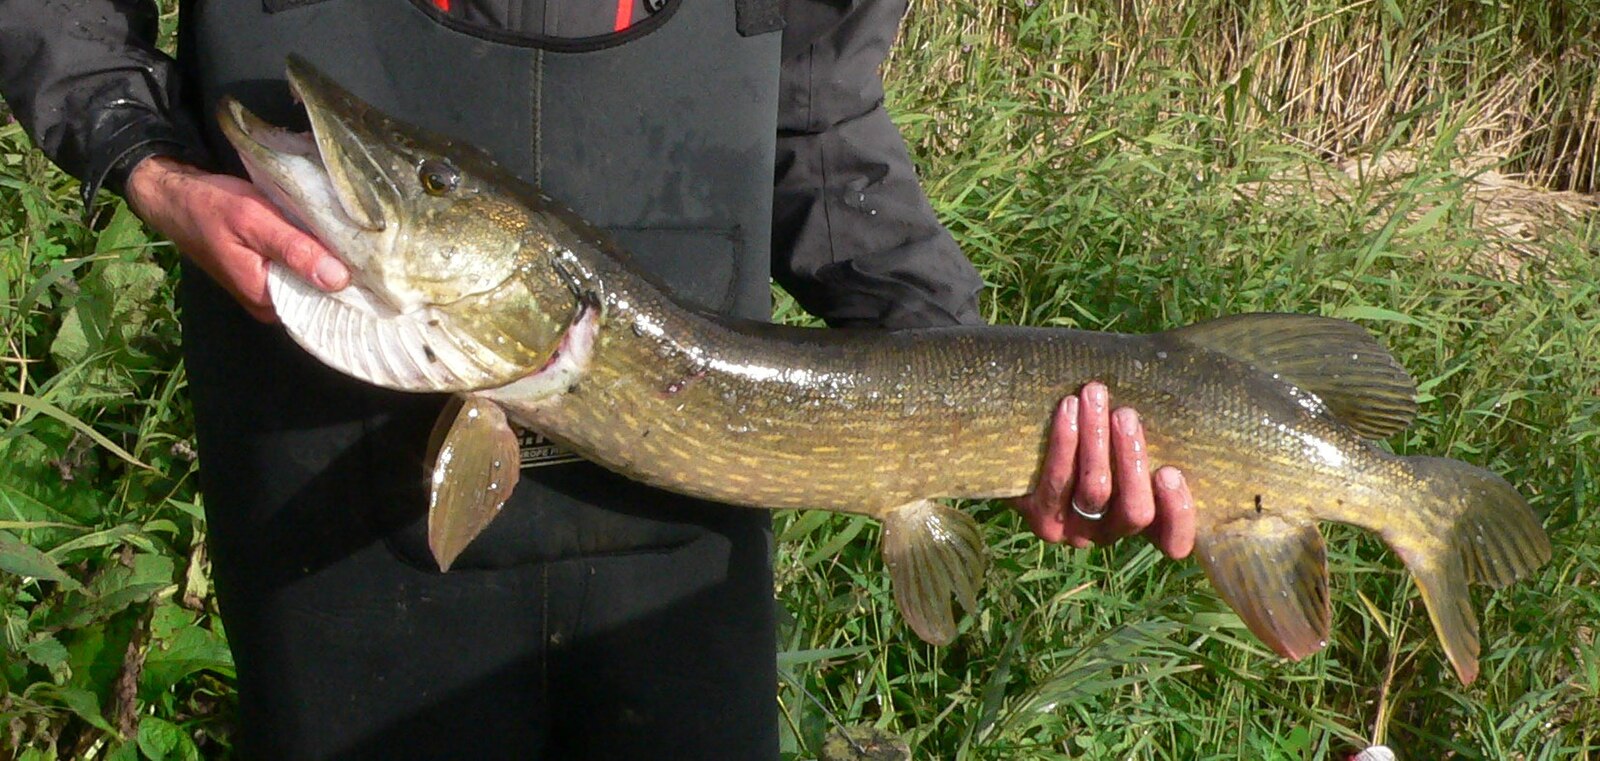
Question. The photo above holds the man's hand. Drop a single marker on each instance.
(226, 226)
(1096, 465)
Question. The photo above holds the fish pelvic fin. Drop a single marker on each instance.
(1358, 380)
(933, 552)
(1489, 536)
(476, 463)
(1273, 571)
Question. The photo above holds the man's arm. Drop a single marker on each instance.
(853, 237)
(85, 79)
(857, 244)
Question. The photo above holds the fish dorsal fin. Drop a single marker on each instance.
(933, 552)
(352, 332)
(476, 462)
(1273, 571)
(1359, 383)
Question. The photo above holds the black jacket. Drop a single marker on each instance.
(854, 238)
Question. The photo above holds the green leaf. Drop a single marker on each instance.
(128, 751)
(161, 740)
(107, 537)
(23, 560)
(83, 703)
(1392, 7)
(158, 738)
(35, 404)
(190, 650)
(123, 234)
(47, 651)
(1375, 314)
(1427, 221)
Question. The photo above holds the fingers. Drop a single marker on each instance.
(1093, 492)
(1131, 470)
(1044, 508)
(228, 228)
(1120, 480)
(1174, 528)
(261, 228)
(1101, 467)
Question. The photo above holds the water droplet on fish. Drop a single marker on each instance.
(472, 414)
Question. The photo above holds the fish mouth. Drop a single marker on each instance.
(327, 181)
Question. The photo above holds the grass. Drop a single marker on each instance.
(1108, 166)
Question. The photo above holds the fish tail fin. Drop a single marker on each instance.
(1490, 536)
(1273, 571)
(933, 552)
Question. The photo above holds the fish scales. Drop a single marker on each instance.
(467, 280)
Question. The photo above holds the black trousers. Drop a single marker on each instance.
(350, 645)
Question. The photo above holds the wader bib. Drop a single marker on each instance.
(596, 618)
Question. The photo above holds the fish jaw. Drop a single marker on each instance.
(419, 220)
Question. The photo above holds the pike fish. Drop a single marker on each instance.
(470, 281)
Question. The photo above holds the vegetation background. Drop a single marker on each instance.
(1422, 166)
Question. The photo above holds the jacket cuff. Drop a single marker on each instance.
(129, 144)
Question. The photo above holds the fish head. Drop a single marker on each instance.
(415, 216)
(454, 280)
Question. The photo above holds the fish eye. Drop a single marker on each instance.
(437, 177)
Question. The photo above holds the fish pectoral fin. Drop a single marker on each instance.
(933, 552)
(1357, 379)
(476, 463)
(1273, 572)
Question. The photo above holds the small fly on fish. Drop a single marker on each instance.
(470, 281)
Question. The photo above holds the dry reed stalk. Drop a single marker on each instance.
(1334, 77)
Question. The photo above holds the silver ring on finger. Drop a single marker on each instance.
(1084, 514)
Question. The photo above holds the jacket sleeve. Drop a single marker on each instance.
(87, 83)
(853, 237)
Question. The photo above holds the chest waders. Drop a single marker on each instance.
(595, 618)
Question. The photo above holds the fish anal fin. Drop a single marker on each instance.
(476, 463)
(1273, 571)
(1356, 378)
(933, 552)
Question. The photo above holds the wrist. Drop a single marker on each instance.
(151, 179)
